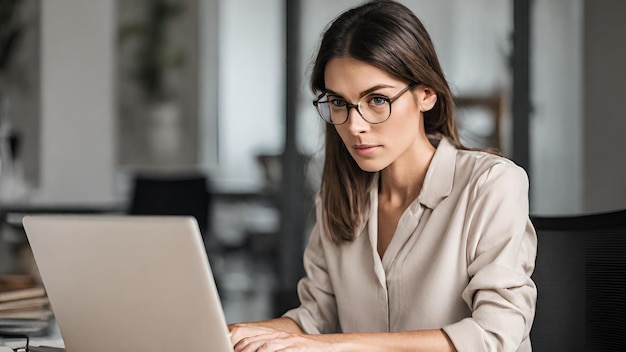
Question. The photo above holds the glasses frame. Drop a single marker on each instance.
(357, 106)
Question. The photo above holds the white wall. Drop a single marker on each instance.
(250, 88)
(77, 104)
(556, 144)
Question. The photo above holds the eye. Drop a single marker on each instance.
(377, 100)
(337, 103)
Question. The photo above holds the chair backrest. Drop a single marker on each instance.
(580, 274)
(172, 195)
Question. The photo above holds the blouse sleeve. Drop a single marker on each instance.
(501, 252)
(317, 312)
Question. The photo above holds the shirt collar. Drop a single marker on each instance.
(440, 174)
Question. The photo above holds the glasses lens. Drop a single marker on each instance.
(376, 110)
(324, 110)
(332, 113)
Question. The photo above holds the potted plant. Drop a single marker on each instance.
(156, 61)
(155, 58)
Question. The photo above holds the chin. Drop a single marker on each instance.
(370, 165)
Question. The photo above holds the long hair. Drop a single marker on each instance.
(387, 35)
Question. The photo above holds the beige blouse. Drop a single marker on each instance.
(461, 259)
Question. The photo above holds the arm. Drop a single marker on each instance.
(422, 340)
(270, 340)
(317, 313)
(501, 249)
(282, 324)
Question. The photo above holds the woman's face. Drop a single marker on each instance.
(376, 146)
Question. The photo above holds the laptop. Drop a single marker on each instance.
(128, 283)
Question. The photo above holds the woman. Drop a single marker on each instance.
(420, 244)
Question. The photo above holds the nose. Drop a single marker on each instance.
(356, 124)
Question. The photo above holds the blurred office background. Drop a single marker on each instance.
(95, 94)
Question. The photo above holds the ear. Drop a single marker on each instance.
(426, 98)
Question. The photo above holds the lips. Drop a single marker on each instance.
(365, 149)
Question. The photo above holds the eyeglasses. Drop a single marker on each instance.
(375, 110)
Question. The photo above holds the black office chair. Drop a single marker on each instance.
(581, 281)
(173, 195)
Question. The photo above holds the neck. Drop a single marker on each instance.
(401, 182)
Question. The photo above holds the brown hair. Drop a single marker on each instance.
(389, 36)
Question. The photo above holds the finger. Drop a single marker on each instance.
(243, 331)
(264, 342)
(249, 345)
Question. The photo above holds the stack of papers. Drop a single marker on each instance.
(24, 311)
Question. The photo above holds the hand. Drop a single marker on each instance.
(251, 338)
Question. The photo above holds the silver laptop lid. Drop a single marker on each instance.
(123, 283)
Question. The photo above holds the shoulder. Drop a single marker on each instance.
(454, 172)
(485, 170)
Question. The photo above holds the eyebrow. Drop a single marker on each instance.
(363, 93)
